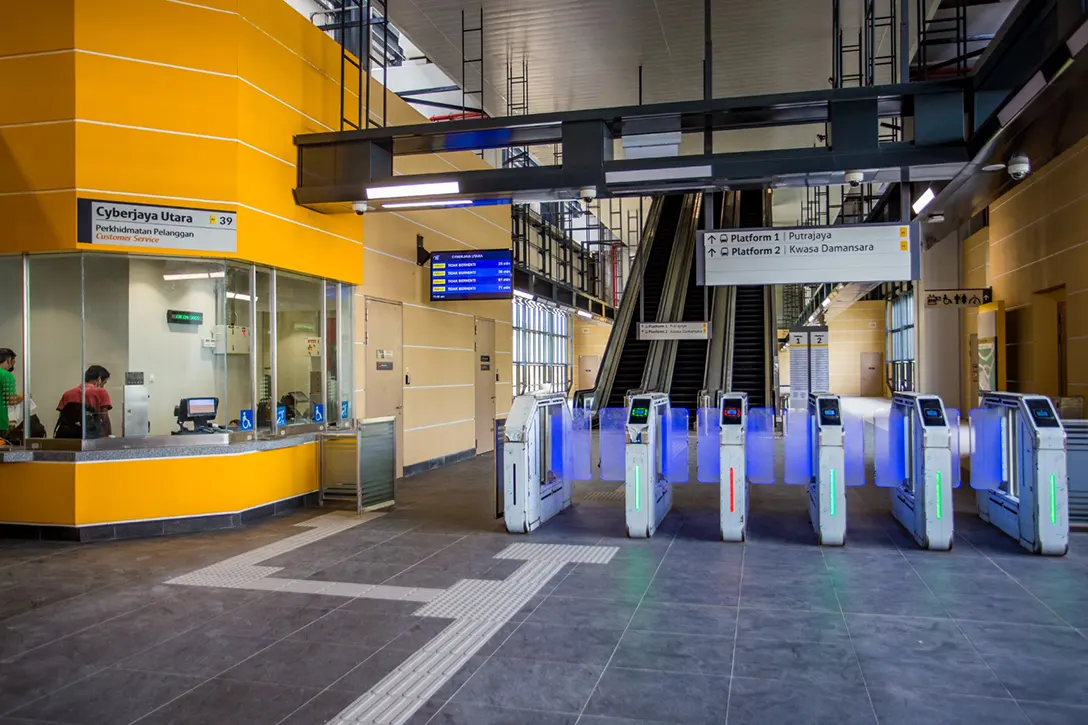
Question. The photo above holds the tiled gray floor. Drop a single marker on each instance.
(661, 634)
(502, 683)
(662, 696)
(781, 702)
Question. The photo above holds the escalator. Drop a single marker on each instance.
(689, 368)
(749, 359)
(749, 345)
(632, 362)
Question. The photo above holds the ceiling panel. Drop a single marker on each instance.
(586, 53)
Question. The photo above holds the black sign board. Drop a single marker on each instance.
(385, 365)
(183, 317)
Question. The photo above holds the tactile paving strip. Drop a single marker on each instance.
(480, 608)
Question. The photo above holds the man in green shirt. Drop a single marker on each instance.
(9, 393)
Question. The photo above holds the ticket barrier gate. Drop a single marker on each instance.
(826, 496)
(1018, 468)
(920, 438)
(647, 490)
(538, 461)
(733, 468)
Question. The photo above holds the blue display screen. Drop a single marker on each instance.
(933, 413)
(484, 274)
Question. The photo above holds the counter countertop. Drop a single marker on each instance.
(139, 454)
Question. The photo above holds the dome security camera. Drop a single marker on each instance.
(359, 207)
(854, 178)
(1018, 167)
(588, 193)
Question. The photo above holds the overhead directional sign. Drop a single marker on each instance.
(672, 331)
(959, 297)
(842, 253)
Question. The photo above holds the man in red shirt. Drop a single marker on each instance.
(97, 398)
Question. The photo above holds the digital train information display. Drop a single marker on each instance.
(483, 274)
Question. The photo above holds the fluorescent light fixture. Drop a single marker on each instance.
(583, 313)
(923, 201)
(1022, 98)
(666, 174)
(993, 167)
(525, 295)
(179, 277)
(434, 203)
(241, 297)
(405, 191)
(826, 303)
(1078, 40)
(936, 218)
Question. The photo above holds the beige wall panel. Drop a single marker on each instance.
(428, 443)
(439, 367)
(428, 406)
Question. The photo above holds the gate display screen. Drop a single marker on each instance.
(731, 411)
(931, 412)
(482, 274)
(640, 411)
(1043, 414)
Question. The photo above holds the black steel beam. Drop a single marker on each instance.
(425, 91)
(685, 116)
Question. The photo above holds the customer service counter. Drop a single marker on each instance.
(166, 394)
(113, 491)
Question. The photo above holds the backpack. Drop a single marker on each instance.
(69, 426)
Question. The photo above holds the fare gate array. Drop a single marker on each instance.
(1017, 454)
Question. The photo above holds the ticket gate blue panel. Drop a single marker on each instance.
(708, 441)
(759, 446)
(798, 448)
(581, 444)
(613, 443)
(676, 434)
(559, 443)
(953, 417)
(853, 444)
(891, 455)
(986, 452)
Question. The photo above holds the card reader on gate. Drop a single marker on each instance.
(732, 411)
(640, 412)
(829, 412)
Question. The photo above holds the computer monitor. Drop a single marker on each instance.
(197, 410)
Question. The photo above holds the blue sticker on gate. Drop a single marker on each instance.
(245, 419)
(319, 412)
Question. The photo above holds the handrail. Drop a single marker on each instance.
(628, 305)
(661, 358)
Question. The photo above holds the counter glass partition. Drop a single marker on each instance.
(11, 339)
(157, 350)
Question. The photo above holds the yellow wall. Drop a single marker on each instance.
(206, 119)
(590, 338)
(69, 494)
(976, 253)
(186, 104)
(857, 329)
(1037, 257)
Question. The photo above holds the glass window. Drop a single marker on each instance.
(11, 338)
(298, 347)
(541, 348)
(56, 341)
(155, 325)
(346, 347)
(262, 347)
(234, 341)
(330, 330)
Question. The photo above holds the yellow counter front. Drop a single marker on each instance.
(92, 496)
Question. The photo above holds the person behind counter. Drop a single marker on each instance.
(9, 392)
(98, 404)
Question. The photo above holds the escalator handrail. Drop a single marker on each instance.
(625, 316)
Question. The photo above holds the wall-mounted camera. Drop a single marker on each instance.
(359, 207)
(1019, 166)
(588, 193)
(854, 178)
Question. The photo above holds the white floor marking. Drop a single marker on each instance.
(243, 572)
(480, 608)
